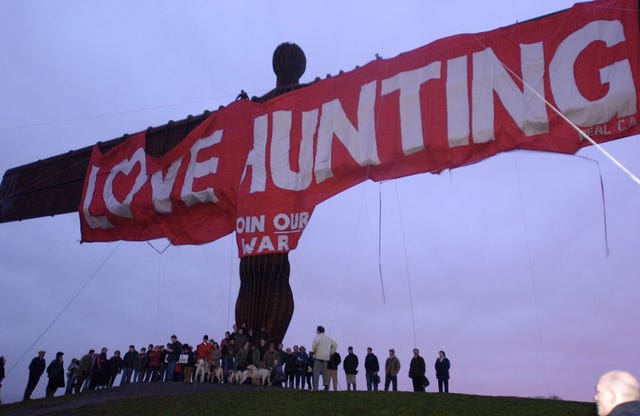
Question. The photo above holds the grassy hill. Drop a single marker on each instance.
(265, 402)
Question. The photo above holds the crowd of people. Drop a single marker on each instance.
(213, 362)
(617, 392)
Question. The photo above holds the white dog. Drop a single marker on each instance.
(234, 377)
(260, 376)
(202, 371)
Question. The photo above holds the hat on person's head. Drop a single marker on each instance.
(392, 350)
(59, 354)
(41, 352)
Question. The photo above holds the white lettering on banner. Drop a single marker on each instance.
(197, 170)
(93, 222)
(250, 224)
(469, 87)
(266, 244)
(123, 209)
(360, 142)
(457, 102)
(291, 222)
(524, 107)
(284, 224)
(409, 83)
(620, 98)
(161, 187)
(257, 157)
(281, 173)
(627, 123)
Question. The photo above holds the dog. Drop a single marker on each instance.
(234, 377)
(215, 374)
(246, 375)
(260, 376)
(202, 371)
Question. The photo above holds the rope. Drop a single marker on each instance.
(349, 263)
(230, 283)
(604, 205)
(159, 251)
(406, 267)
(73, 298)
(115, 113)
(531, 279)
(569, 122)
(384, 298)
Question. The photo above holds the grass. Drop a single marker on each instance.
(287, 402)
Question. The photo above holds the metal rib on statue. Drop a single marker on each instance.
(54, 186)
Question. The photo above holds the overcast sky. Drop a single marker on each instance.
(502, 264)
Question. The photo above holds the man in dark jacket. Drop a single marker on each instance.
(350, 368)
(115, 366)
(289, 368)
(371, 367)
(55, 372)
(417, 369)
(173, 354)
(127, 365)
(618, 394)
(332, 369)
(36, 368)
(442, 372)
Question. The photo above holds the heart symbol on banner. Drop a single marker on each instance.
(123, 209)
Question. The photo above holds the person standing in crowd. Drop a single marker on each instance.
(86, 363)
(140, 362)
(442, 372)
(100, 370)
(289, 368)
(154, 363)
(73, 372)
(618, 394)
(36, 368)
(55, 372)
(203, 350)
(301, 365)
(391, 370)
(332, 369)
(2, 361)
(173, 354)
(147, 370)
(190, 364)
(115, 366)
(276, 373)
(127, 365)
(215, 354)
(322, 347)
(417, 369)
(371, 367)
(350, 368)
(228, 358)
(309, 374)
(240, 338)
(270, 355)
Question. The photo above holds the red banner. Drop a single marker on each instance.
(260, 169)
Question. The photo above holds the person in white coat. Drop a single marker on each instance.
(323, 346)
